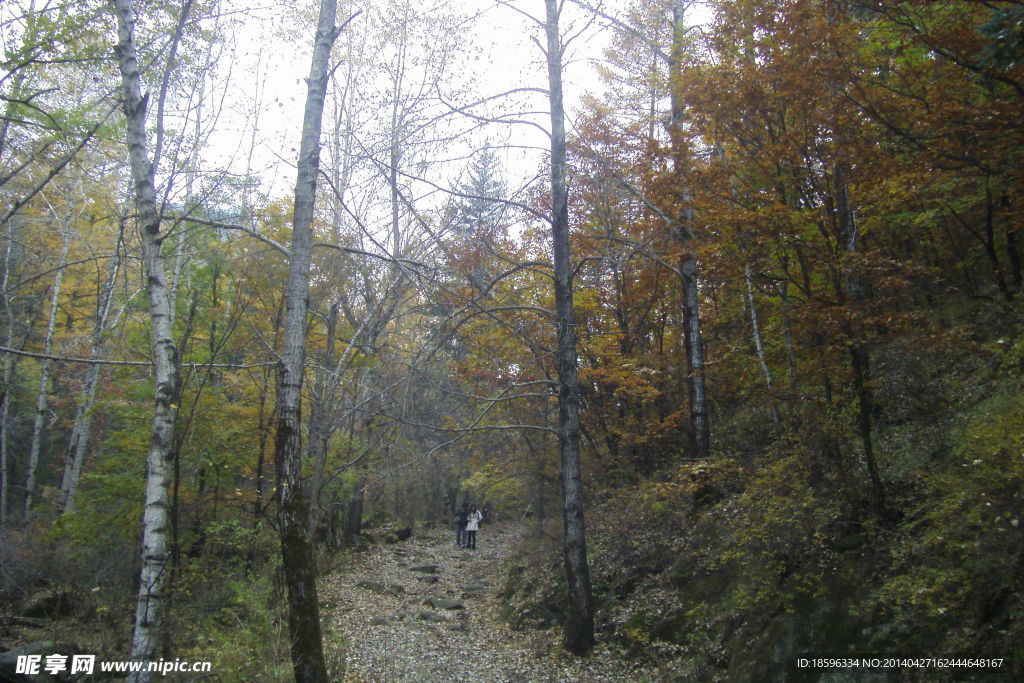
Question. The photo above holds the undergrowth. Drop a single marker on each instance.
(732, 568)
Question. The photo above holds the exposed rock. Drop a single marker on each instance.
(426, 569)
(51, 604)
(432, 617)
(473, 590)
(383, 589)
(399, 535)
(442, 603)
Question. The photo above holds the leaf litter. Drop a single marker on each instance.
(443, 625)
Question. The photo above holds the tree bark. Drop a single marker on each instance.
(758, 346)
(148, 615)
(319, 431)
(42, 402)
(787, 339)
(82, 427)
(297, 551)
(860, 355)
(354, 513)
(683, 232)
(263, 426)
(579, 624)
(8, 376)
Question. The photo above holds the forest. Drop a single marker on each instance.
(713, 308)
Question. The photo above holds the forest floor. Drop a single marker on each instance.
(425, 610)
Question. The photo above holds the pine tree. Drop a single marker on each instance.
(482, 206)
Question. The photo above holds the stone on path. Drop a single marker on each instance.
(442, 603)
(432, 617)
(384, 589)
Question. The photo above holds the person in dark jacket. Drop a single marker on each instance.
(461, 519)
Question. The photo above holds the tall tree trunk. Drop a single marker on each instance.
(683, 232)
(149, 611)
(394, 149)
(353, 522)
(39, 416)
(82, 426)
(319, 431)
(176, 444)
(579, 624)
(8, 376)
(293, 510)
(849, 284)
(1010, 230)
(860, 356)
(758, 346)
(263, 426)
(990, 241)
(264, 422)
(787, 338)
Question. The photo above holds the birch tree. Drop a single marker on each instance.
(42, 402)
(683, 232)
(681, 223)
(82, 426)
(148, 613)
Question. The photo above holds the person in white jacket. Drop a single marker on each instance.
(472, 524)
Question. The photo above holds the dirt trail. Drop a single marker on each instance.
(424, 610)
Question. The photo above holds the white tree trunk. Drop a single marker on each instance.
(692, 339)
(42, 402)
(148, 614)
(82, 428)
(758, 346)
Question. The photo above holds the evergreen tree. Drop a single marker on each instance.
(480, 216)
(482, 207)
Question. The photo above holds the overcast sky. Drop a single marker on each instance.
(269, 71)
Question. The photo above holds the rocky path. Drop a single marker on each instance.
(424, 610)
